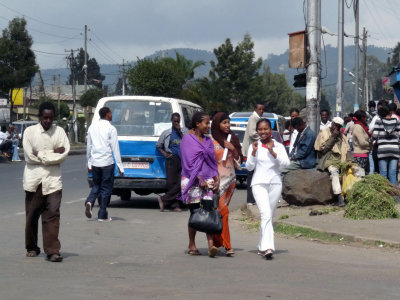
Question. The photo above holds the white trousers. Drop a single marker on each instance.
(267, 197)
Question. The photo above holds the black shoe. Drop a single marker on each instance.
(88, 210)
(268, 254)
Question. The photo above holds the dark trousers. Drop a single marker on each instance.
(47, 206)
(250, 197)
(174, 169)
(7, 146)
(103, 181)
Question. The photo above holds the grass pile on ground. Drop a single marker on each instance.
(372, 198)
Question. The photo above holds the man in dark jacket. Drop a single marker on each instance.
(303, 155)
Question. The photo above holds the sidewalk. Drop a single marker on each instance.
(75, 150)
(333, 222)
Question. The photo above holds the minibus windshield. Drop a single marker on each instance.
(140, 117)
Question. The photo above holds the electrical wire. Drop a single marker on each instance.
(102, 53)
(96, 36)
(37, 20)
(48, 53)
(351, 3)
(375, 21)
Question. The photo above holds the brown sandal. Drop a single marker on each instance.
(194, 252)
(31, 253)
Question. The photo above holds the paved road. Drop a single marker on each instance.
(140, 255)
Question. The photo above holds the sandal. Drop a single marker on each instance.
(55, 258)
(31, 253)
(213, 251)
(194, 252)
(230, 252)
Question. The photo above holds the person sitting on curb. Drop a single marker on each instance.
(6, 145)
(332, 147)
(303, 155)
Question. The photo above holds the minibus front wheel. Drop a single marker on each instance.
(125, 195)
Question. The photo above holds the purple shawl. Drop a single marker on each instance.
(198, 159)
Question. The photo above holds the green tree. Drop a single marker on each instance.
(376, 71)
(236, 75)
(17, 60)
(158, 77)
(64, 108)
(188, 66)
(91, 97)
(93, 70)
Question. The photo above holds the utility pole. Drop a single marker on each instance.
(356, 54)
(364, 66)
(123, 77)
(313, 68)
(42, 92)
(72, 65)
(85, 60)
(59, 95)
(339, 84)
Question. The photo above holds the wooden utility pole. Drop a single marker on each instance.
(42, 92)
(59, 95)
(313, 68)
(364, 65)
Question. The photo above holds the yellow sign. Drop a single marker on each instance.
(18, 96)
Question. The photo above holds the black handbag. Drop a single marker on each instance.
(208, 221)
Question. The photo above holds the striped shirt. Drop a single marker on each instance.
(387, 132)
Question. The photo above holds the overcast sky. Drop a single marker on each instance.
(129, 29)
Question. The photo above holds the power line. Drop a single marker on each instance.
(105, 44)
(375, 21)
(102, 53)
(49, 53)
(37, 20)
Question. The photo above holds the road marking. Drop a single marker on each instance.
(20, 213)
(75, 201)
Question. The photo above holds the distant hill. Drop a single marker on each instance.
(277, 64)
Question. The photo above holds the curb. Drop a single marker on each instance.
(351, 237)
(72, 151)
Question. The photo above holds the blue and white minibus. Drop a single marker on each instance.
(139, 121)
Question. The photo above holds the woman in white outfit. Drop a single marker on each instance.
(266, 157)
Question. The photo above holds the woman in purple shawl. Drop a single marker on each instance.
(199, 174)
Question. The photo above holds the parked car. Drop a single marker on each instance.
(241, 175)
(240, 119)
(139, 121)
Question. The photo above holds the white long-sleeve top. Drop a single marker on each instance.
(102, 143)
(265, 166)
(44, 168)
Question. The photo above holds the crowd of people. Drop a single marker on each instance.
(201, 166)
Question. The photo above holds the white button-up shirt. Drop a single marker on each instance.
(324, 126)
(45, 167)
(102, 143)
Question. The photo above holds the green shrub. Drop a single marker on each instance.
(372, 198)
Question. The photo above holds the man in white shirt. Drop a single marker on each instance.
(250, 136)
(102, 149)
(325, 123)
(45, 147)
